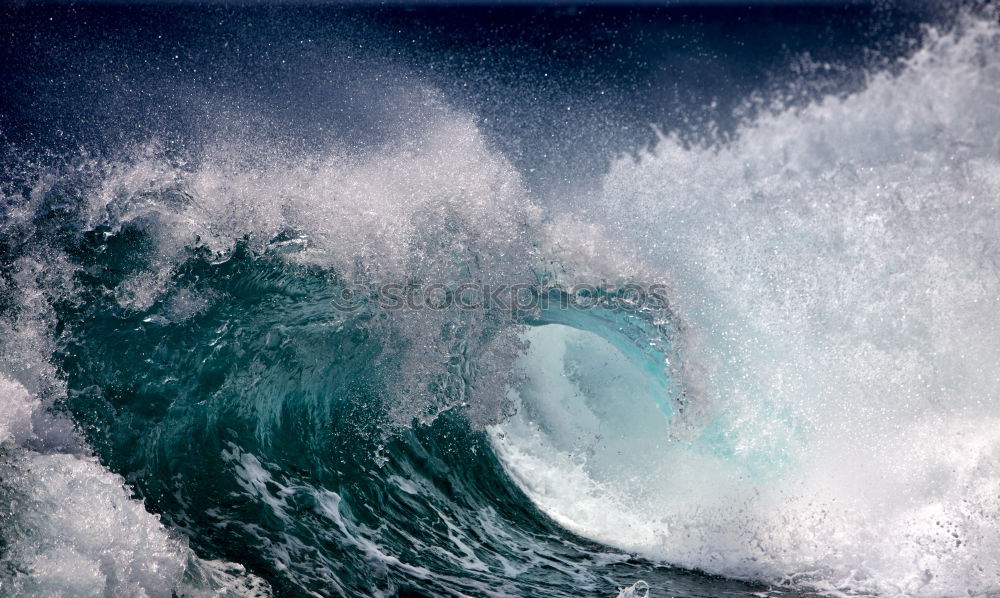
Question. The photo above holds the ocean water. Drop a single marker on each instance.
(547, 300)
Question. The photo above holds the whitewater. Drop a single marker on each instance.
(813, 408)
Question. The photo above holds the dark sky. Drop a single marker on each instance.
(558, 88)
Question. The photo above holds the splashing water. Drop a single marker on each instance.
(841, 262)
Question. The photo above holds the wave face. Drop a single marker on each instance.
(211, 387)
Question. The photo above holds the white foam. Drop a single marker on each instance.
(421, 206)
(88, 537)
(16, 408)
(73, 528)
(633, 591)
(842, 263)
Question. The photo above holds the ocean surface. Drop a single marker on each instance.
(693, 300)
